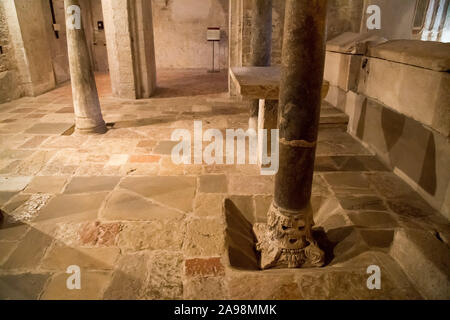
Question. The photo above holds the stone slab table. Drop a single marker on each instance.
(263, 83)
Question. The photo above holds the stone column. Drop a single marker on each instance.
(131, 51)
(286, 240)
(88, 116)
(261, 45)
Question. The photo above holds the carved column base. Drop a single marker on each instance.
(286, 240)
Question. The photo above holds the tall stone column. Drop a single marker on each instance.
(131, 51)
(286, 240)
(88, 116)
(261, 45)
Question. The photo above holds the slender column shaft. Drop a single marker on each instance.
(261, 44)
(300, 99)
(88, 115)
(287, 238)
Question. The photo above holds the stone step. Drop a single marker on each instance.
(330, 116)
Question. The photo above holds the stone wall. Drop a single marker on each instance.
(396, 95)
(8, 70)
(180, 33)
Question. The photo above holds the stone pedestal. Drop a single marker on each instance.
(286, 240)
(88, 116)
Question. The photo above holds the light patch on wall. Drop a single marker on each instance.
(190, 10)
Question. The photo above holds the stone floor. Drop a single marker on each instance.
(141, 227)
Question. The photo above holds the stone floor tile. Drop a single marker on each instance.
(71, 208)
(88, 259)
(13, 232)
(267, 286)
(6, 248)
(389, 185)
(213, 184)
(371, 203)
(49, 184)
(127, 206)
(25, 286)
(373, 219)
(165, 147)
(13, 184)
(208, 205)
(129, 277)
(204, 238)
(144, 159)
(348, 182)
(209, 288)
(93, 284)
(33, 142)
(165, 276)
(91, 184)
(117, 160)
(29, 252)
(204, 267)
(49, 128)
(175, 192)
(5, 196)
(153, 235)
(250, 185)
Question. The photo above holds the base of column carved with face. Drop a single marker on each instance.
(286, 240)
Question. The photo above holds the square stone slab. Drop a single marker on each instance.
(174, 192)
(13, 184)
(49, 128)
(91, 184)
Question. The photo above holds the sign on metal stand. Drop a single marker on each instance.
(213, 35)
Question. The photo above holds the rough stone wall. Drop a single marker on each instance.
(10, 87)
(180, 33)
(7, 58)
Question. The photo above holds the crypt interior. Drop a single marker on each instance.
(88, 180)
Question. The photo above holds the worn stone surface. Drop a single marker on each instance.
(154, 235)
(208, 205)
(46, 185)
(128, 206)
(270, 286)
(70, 208)
(175, 192)
(213, 184)
(26, 286)
(91, 184)
(93, 285)
(128, 278)
(138, 225)
(204, 267)
(61, 257)
(165, 280)
(204, 237)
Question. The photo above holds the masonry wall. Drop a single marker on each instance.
(401, 112)
(9, 82)
(180, 33)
